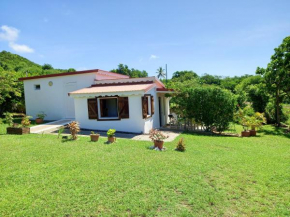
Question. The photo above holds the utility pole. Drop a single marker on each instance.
(166, 72)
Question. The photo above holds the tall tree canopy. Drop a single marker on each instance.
(277, 75)
(133, 73)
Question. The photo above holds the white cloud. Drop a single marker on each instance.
(153, 57)
(10, 34)
(20, 48)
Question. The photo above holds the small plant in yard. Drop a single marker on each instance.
(94, 136)
(60, 131)
(40, 116)
(74, 128)
(9, 119)
(180, 145)
(158, 138)
(25, 122)
(111, 135)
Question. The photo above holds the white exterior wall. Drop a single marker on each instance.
(135, 122)
(52, 99)
(152, 122)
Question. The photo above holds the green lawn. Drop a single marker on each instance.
(217, 176)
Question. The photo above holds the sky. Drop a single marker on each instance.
(224, 37)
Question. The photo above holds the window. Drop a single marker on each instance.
(37, 86)
(147, 106)
(108, 108)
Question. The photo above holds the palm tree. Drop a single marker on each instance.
(160, 73)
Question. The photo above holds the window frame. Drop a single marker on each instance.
(36, 85)
(99, 109)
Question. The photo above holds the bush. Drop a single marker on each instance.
(212, 107)
(270, 113)
(74, 128)
(180, 145)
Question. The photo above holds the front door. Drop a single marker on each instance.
(69, 101)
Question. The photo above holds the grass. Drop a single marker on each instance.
(41, 175)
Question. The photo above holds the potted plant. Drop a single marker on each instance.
(111, 135)
(94, 136)
(245, 122)
(158, 138)
(257, 121)
(40, 117)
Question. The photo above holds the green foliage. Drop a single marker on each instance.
(270, 113)
(12, 67)
(41, 115)
(60, 131)
(277, 75)
(253, 88)
(111, 132)
(209, 106)
(180, 145)
(133, 73)
(47, 66)
(160, 73)
(25, 121)
(9, 119)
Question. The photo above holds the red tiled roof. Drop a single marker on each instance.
(117, 88)
(70, 73)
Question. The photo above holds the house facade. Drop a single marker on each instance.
(99, 100)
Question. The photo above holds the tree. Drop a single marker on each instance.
(71, 70)
(208, 106)
(184, 75)
(133, 73)
(277, 75)
(47, 66)
(9, 89)
(210, 79)
(254, 89)
(160, 73)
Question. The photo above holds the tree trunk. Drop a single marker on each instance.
(278, 107)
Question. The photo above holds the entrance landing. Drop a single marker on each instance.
(49, 127)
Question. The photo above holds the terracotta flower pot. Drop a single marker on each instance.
(38, 120)
(246, 133)
(253, 132)
(159, 144)
(94, 137)
(111, 139)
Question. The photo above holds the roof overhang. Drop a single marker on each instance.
(99, 71)
(109, 90)
(164, 90)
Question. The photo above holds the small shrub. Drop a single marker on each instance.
(41, 115)
(180, 145)
(60, 131)
(9, 119)
(25, 122)
(156, 135)
(74, 128)
(111, 132)
(93, 133)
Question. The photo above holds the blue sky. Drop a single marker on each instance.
(222, 37)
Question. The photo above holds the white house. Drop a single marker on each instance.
(99, 100)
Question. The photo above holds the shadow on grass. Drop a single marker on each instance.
(275, 131)
(208, 134)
